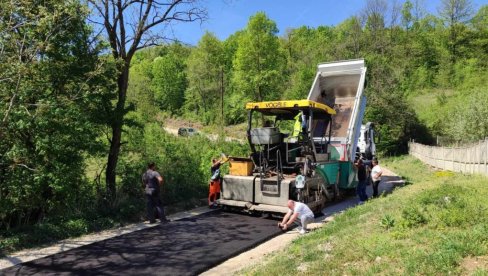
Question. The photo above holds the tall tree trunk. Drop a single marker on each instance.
(117, 123)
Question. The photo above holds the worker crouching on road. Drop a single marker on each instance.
(297, 210)
(215, 180)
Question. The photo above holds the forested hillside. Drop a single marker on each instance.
(427, 74)
(64, 107)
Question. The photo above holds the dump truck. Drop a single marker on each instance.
(302, 150)
(367, 142)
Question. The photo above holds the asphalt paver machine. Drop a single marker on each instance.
(301, 149)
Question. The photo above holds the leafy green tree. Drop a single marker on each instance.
(232, 103)
(470, 124)
(206, 74)
(479, 43)
(350, 38)
(52, 87)
(259, 61)
(374, 15)
(139, 92)
(169, 82)
(454, 13)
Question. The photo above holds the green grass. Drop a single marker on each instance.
(428, 227)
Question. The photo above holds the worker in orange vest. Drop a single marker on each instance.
(215, 180)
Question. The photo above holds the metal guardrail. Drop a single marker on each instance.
(471, 159)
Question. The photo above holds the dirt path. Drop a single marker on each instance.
(212, 137)
(171, 126)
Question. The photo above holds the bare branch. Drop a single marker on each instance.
(107, 135)
(9, 108)
(27, 167)
(94, 22)
(162, 18)
(27, 110)
(140, 29)
(122, 28)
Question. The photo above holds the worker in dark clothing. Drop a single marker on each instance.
(152, 181)
(362, 177)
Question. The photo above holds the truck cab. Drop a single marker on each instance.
(367, 141)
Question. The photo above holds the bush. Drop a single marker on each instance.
(413, 216)
(184, 163)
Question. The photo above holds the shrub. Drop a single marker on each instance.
(413, 216)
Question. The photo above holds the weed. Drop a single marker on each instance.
(387, 222)
(480, 272)
(413, 216)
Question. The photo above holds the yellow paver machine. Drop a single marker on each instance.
(301, 149)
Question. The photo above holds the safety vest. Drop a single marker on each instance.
(297, 127)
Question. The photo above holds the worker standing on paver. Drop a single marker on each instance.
(297, 210)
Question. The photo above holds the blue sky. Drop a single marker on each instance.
(228, 16)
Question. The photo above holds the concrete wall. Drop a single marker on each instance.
(468, 159)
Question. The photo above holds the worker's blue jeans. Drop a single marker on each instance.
(361, 190)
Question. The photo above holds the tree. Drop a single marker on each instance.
(169, 82)
(480, 42)
(470, 124)
(407, 17)
(206, 69)
(454, 12)
(418, 9)
(259, 60)
(374, 16)
(131, 25)
(350, 34)
(52, 86)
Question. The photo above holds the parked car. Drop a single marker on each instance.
(187, 131)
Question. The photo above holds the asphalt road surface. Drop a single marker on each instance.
(183, 247)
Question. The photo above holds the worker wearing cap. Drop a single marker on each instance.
(297, 210)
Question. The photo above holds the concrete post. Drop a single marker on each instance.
(486, 156)
(478, 169)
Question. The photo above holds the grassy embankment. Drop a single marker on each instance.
(436, 224)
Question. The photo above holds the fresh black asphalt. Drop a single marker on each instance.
(183, 247)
